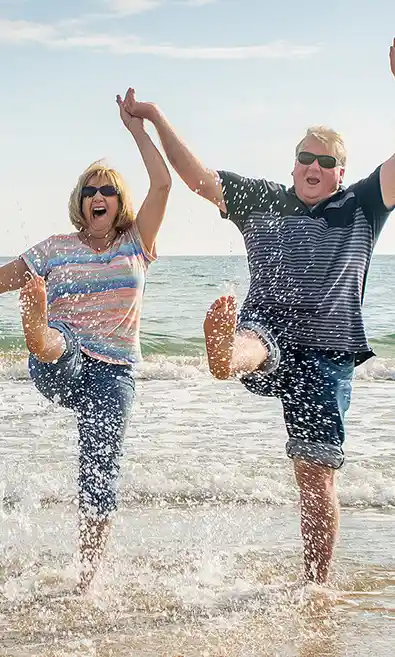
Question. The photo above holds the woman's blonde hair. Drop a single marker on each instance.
(328, 137)
(125, 214)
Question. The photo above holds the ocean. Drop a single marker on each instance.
(205, 554)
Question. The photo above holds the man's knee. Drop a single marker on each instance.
(313, 478)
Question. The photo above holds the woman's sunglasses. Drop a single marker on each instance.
(325, 161)
(105, 190)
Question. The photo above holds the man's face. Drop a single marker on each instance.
(314, 183)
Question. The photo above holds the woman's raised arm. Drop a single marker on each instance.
(150, 216)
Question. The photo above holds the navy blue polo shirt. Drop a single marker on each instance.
(308, 265)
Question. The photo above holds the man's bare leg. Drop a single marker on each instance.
(94, 535)
(320, 515)
(230, 353)
(45, 343)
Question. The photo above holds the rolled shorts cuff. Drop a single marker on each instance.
(319, 453)
(274, 354)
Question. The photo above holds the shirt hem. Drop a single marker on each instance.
(108, 359)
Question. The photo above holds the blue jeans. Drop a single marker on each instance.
(314, 387)
(101, 394)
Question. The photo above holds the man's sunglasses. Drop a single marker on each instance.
(105, 190)
(325, 161)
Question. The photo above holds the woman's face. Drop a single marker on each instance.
(100, 205)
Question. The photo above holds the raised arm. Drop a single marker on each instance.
(387, 171)
(150, 216)
(203, 181)
(13, 275)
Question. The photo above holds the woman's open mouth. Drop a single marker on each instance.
(99, 211)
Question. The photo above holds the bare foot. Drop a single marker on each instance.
(33, 301)
(83, 585)
(93, 539)
(220, 329)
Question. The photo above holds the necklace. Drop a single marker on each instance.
(109, 241)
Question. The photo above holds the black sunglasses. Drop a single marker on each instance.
(105, 190)
(325, 161)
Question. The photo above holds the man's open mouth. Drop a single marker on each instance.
(312, 181)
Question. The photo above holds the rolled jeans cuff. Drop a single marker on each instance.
(273, 351)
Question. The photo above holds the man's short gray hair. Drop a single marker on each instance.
(328, 137)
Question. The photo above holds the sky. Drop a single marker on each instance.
(239, 80)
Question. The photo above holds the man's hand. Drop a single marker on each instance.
(392, 57)
(131, 109)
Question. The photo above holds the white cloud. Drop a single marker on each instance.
(126, 7)
(63, 36)
(20, 31)
(197, 3)
(117, 9)
(275, 50)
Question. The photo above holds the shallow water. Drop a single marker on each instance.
(205, 549)
(205, 555)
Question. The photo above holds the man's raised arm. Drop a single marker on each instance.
(387, 171)
(203, 181)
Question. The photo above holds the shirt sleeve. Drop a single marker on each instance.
(36, 258)
(242, 195)
(370, 199)
(134, 236)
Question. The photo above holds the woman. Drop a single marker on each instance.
(81, 301)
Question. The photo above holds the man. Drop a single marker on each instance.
(300, 330)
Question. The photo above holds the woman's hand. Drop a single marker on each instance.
(126, 107)
(132, 112)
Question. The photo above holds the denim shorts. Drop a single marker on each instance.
(314, 387)
(101, 394)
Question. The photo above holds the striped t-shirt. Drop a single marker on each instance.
(99, 295)
(308, 265)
